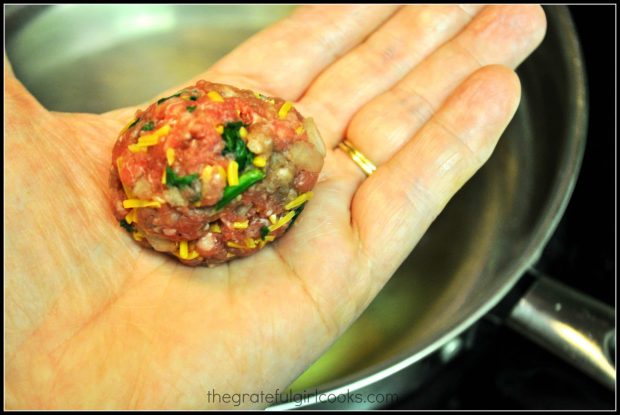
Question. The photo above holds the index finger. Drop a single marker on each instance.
(283, 59)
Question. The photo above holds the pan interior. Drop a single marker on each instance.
(93, 59)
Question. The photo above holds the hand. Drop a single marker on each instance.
(94, 321)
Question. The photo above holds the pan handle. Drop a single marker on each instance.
(573, 326)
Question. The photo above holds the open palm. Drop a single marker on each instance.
(94, 321)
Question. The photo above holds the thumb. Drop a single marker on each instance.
(20, 102)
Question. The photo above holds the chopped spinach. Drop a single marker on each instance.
(297, 212)
(264, 231)
(167, 98)
(236, 145)
(191, 108)
(178, 181)
(127, 226)
(148, 126)
(246, 180)
(133, 123)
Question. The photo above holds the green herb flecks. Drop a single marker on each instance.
(236, 145)
(167, 98)
(263, 97)
(148, 126)
(264, 231)
(193, 98)
(178, 181)
(246, 180)
(191, 108)
(133, 123)
(297, 212)
(127, 226)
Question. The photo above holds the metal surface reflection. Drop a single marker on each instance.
(564, 321)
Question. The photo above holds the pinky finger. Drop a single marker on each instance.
(411, 189)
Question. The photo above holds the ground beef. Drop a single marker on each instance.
(213, 172)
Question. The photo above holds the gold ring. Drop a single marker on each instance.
(358, 158)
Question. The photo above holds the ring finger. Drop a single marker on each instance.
(498, 35)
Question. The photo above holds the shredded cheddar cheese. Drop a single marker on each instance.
(215, 96)
(170, 156)
(153, 138)
(136, 148)
(220, 129)
(270, 238)
(298, 201)
(250, 243)
(273, 218)
(132, 216)
(243, 133)
(137, 236)
(235, 245)
(283, 221)
(284, 110)
(215, 228)
(241, 225)
(299, 130)
(184, 252)
(193, 255)
(163, 176)
(260, 161)
(164, 130)
(183, 249)
(137, 203)
(119, 165)
(148, 140)
(233, 173)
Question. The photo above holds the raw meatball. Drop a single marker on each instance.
(214, 172)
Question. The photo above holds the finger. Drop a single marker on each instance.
(378, 63)
(8, 70)
(21, 104)
(498, 35)
(284, 58)
(395, 206)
